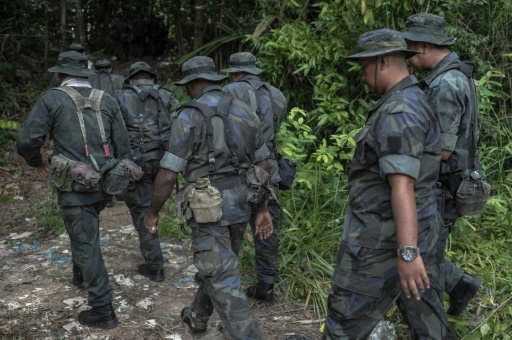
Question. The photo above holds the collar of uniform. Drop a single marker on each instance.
(76, 82)
(213, 87)
(402, 84)
(439, 69)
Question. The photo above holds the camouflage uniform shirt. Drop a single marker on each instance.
(401, 136)
(188, 149)
(269, 106)
(55, 113)
(453, 99)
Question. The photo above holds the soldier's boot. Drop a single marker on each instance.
(103, 317)
(195, 324)
(78, 277)
(262, 291)
(465, 290)
(153, 275)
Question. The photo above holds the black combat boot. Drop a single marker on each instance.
(103, 317)
(153, 275)
(78, 278)
(261, 291)
(465, 290)
(195, 325)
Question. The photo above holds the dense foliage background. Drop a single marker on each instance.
(299, 43)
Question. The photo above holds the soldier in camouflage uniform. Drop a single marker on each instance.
(55, 113)
(391, 224)
(146, 108)
(232, 145)
(270, 105)
(105, 79)
(452, 96)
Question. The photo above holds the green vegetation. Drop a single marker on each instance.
(300, 45)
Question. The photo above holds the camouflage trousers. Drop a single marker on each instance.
(82, 225)
(365, 286)
(216, 258)
(137, 200)
(267, 250)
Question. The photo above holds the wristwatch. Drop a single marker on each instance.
(408, 253)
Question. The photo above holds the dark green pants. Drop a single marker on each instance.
(137, 200)
(82, 225)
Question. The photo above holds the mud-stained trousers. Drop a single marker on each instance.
(82, 225)
(137, 200)
(365, 286)
(267, 250)
(216, 258)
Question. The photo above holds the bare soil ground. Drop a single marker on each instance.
(37, 300)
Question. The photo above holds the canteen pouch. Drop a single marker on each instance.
(60, 175)
(85, 178)
(205, 201)
(287, 171)
(472, 196)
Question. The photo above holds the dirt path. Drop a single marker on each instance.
(37, 300)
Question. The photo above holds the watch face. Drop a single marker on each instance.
(409, 253)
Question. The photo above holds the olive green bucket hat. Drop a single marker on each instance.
(102, 63)
(199, 68)
(380, 42)
(242, 62)
(72, 63)
(138, 67)
(427, 27)
(76, 47)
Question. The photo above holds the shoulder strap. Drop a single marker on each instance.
(222, 110)
(92, 102)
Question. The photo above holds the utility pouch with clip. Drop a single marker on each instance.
(60, 175)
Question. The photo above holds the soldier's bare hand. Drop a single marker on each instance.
(413, 277)
(263, 224)
(151, 223)
(41, 170)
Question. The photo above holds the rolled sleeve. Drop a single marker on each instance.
(399, 164)
(261, 154)
(448, 141)
(173, 163)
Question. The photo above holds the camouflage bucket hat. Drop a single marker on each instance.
(76, 47)
(427, 27)
(136, 68)
(380, 42)
(72, 63)
(199, 68)
(102, 63)
(242, 62)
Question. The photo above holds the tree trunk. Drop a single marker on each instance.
(80, 27)
(198, 23)
(46, 33)
(179, 27)
(63, 29)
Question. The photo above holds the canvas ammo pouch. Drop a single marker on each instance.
(118, 179)
(60, 176)
(472, 195)
(257, 181)
(183, 211)
(85, 178)
(205, 201)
